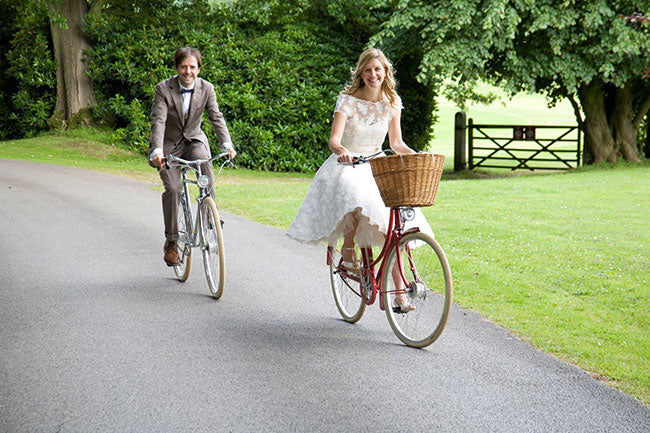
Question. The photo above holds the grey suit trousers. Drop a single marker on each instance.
(172, 181)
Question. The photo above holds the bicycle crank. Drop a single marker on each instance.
(417, 290)
(212, 247)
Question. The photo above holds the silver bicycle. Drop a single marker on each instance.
(203, 231)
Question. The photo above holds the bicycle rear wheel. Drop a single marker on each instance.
(214, 259)
(428, 288)
(347, 291)
(182, 271)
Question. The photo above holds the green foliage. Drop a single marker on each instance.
(28, 71)
(556, 47)
(134, 135)
(277, 67)
(552, 46)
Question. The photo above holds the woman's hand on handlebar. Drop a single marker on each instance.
(345, 156)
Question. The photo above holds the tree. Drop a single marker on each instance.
(74, 90)
(574, 49)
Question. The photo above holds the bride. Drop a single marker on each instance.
(344, 200)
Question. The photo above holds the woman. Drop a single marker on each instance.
(344, 200)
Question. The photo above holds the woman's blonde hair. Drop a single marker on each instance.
(387, 87)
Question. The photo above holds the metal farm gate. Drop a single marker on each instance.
(530, 147)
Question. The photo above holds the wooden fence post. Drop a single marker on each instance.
(460, 125)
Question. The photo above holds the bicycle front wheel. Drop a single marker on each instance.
(428, 288)
(182, 270)
(347, 291)
(214, 259)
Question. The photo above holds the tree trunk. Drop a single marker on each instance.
(599, 142)
(625, 131)
(74, 91)
(610, 123)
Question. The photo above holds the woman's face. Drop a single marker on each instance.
(373, 74)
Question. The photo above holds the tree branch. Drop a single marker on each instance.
(576, 111)
(642, 112)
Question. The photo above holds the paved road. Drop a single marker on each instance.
(96, 335)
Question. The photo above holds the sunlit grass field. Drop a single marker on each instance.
(561, 259)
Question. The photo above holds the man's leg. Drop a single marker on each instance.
(171, 179)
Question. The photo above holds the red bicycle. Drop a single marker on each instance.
(411, 266)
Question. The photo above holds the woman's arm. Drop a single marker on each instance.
(338, 125)
(395, 136)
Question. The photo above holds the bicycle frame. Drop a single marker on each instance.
(194, 239)
(195, 235)
(376, 279)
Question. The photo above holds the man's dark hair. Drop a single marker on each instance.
(181, 53)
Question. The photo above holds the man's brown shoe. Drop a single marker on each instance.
(171, 254)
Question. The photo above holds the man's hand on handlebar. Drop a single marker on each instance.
(158, 160)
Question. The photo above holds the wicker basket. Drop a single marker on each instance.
(408, 180)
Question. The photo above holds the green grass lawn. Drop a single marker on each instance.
(561, 259)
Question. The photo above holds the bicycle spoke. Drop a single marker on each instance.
(347, 291)
(213, 248)
(428, 288)
(182, 271)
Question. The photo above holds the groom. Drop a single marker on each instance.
(178, 106)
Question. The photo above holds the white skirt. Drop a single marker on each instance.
(336, 194)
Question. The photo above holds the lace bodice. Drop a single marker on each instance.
(366, 123)
(342, 198)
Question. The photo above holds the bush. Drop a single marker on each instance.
(277, 66)
(276, 83)
(29, 73)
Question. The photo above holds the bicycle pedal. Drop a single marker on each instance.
(398, 310)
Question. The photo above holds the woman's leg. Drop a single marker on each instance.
(347, 251)
(400, 300)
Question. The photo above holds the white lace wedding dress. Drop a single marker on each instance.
(338, 191)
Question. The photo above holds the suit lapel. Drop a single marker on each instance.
(177, 98)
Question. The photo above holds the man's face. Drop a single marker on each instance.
(187, 70)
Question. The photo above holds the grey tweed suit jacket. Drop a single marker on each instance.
(168, 125)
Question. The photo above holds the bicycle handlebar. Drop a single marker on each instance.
(361, 159)
(196, 162)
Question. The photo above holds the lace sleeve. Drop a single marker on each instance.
(397, 108)
(343, 106)
(398, 103)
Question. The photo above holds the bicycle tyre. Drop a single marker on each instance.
(214, 258)
(182, 271)
(432, 300)
(347, 292)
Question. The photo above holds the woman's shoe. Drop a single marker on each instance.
(402, 305)
(351, 267)
(352, 264)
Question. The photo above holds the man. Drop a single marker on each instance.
(178, 106)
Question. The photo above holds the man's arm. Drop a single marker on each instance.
(157, 120)
(218, 122)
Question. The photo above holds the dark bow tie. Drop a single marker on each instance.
(187, 91)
